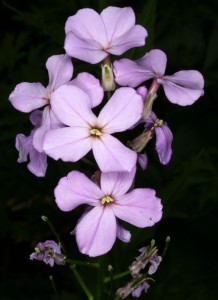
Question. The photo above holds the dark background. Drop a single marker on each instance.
(187, 31)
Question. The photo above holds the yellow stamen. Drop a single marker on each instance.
(95, 131)
(106, 199)
(158, 123)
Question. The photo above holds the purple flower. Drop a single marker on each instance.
(97, 229)
(86, 131)
(148, 257)
(134, 290)
(92, 37)
(49, 252)
(27, 97)
(164, 138)
(38, 160)
(182, 88)
(139, 288)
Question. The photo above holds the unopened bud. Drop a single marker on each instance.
(139, 143)
(108, 82)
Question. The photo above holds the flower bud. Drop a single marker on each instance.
(108, 82)
(139, 143)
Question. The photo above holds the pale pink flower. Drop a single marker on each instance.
(87, 132)
(92, 37)
(27, 97)
(182, 88)
(97, 229)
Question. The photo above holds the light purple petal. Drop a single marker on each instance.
(154, 61)
(135, 37)
(91, 86)
(23, 145)
(142, 91)
(112, 156)
(36, 117)
(87, 25)
(129, 73)
(49, 121)
(123, 234)
(142, 286)
(60, 70)
(117, 184)
(164, 138)
(38, 161)
(140, 207)
(27, 97)
(86, 36)
(184, 87)
(117, 21)
(96, 231)
(155, 262)
(72, 106)
(76, 189)
(86, 50)
(68, 144)
(143, 160)
(121, 112)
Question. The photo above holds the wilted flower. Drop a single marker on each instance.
(24, 144)
(110, 201)
(149, 258)
(92, 37)
(154, 126)
(182, 88)
(49, 252)
(135, 290)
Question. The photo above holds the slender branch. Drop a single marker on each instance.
(82, 263)
(81, 282)
(45, 219)
(54, 286)
(117, 276)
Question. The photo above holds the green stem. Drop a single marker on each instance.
(81, 282)
(100, 278)
(45, 219)
(117, 276)
(53, 285)
(88, 162)
(81, 263)
(166, 246)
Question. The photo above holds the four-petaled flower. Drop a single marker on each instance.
(182, 88)
(27, 97)
(92, 37)
(97, 229)
(86, 131)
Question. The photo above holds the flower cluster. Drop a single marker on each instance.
(65, 127)
(148, 259)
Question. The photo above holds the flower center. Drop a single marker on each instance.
(95, 132)
(106, 199)
(48, 96)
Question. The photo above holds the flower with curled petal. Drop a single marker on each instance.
(182, 88)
